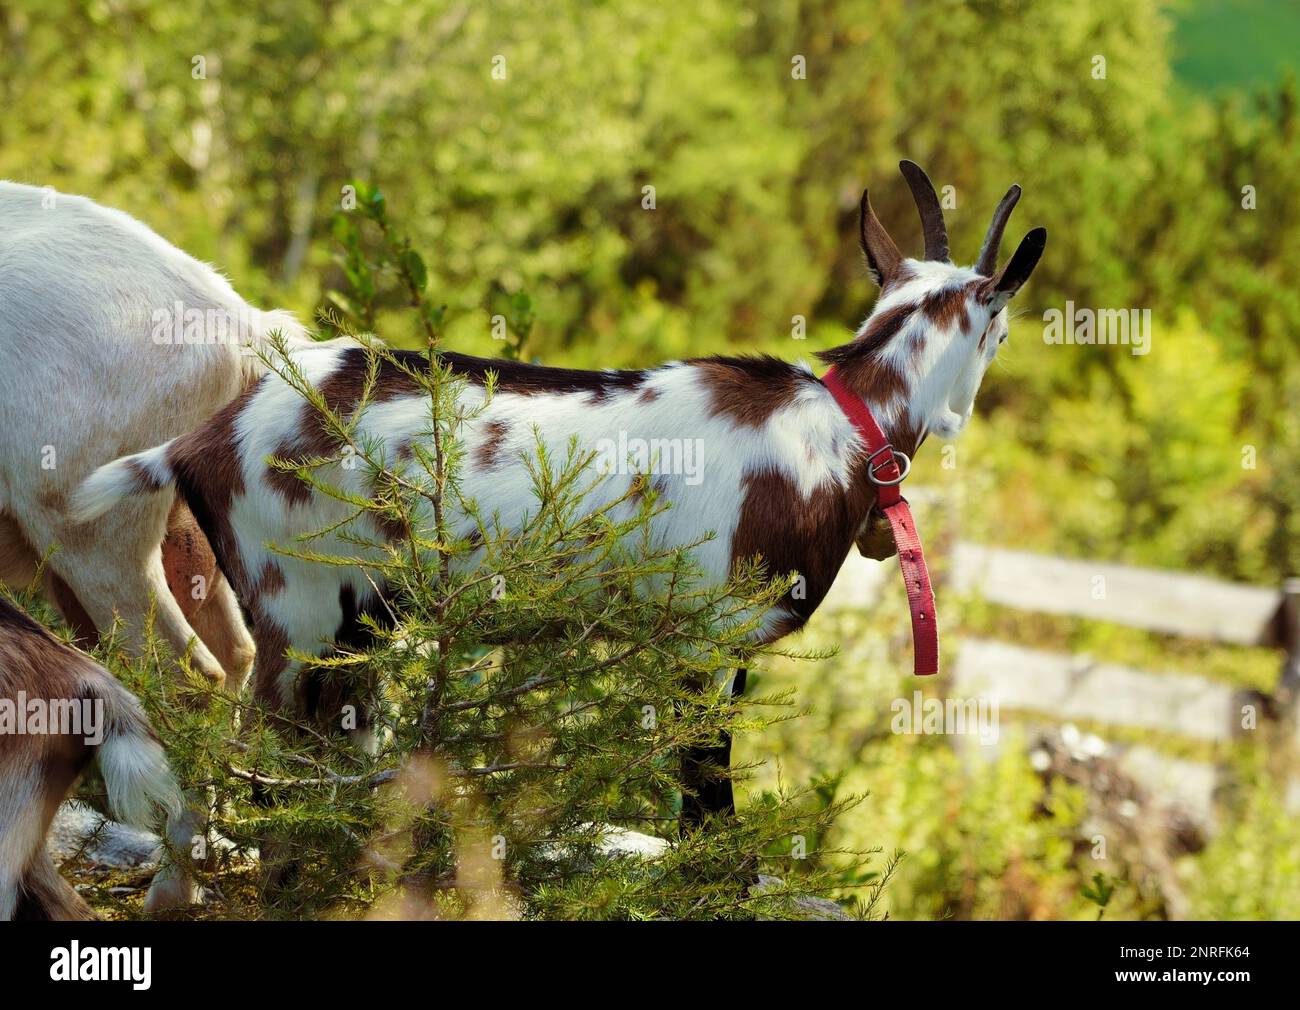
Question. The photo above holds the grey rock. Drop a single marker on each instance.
(101, 842)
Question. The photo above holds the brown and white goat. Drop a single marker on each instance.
(58, 711)
(778, 469)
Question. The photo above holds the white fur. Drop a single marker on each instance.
(20, 835)
(947, 375)
(138, 779)
(140, 784)
(82, 381)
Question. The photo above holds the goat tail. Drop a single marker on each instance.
(131, 760)
(144, 473)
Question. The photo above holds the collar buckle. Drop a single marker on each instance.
(874, 466)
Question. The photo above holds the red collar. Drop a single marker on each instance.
(883, 470)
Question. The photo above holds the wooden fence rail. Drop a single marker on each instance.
(1077, 688)
(1045, 685)
(1172, 603)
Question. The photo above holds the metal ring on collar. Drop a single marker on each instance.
(904, 468)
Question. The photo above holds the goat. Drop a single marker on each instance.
(137, 342)
(83, 713)
(188, 566)
(784, 474)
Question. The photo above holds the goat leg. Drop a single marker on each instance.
(706, 775)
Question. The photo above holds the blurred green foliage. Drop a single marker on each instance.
(631, 183)
(520, 139)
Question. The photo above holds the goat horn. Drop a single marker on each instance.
(927, 202)
(988, 261)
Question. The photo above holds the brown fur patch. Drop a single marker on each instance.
(875, 379)
(916, 344)
(391, 528)
(641, 486)
(55, 499)
(271, 643)
(308, 442)
(185, 555)
(342, 388)
(748, 390)
(270, 580)
(209, 475)
(948, 307)
(487, 452)
(904, 437)
(792, 534)
(880, 329)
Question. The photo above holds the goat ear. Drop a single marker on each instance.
(883, 257)
(998, 290)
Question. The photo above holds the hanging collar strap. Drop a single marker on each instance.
(886, 468)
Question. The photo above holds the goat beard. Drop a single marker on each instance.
(876, 540)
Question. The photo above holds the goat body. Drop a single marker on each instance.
(775, 473)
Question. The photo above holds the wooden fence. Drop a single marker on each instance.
(1047, 686)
